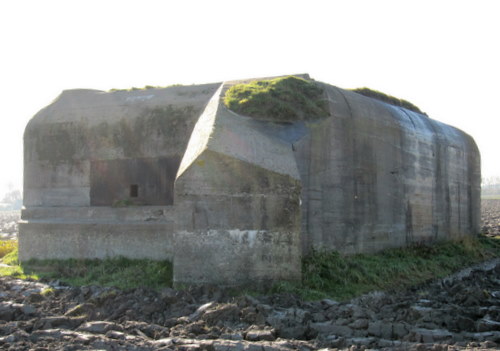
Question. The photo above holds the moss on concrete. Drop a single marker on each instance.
(147, 87)
(285, 99)
(387, 99)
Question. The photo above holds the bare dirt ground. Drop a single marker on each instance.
(456, 313)
(490, 216)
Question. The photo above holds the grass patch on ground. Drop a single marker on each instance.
(9, 261)
(490, 197)
(117, 272)
(387, 99)
(325, 274)
(7, 246)
(285, 99)
(330, 274)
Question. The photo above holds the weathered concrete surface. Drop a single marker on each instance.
(68, 143)
(96, 232)
(234, 200)
(239, 223)
(376, 176)
(96, 240)
(238, 205)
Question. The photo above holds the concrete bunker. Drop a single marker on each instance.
(234, 199)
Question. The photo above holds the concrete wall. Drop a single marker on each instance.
(43, 240)
(237, 224)
(82, 154)
(377, 176)
(69, 140)
(96, 232)
(173, 174)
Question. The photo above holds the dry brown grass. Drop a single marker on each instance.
(7, 246)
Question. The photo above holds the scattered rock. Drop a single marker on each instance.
(289, 323)
(7, 311)
(84, 309)
(430, 336)
(221, 313)
(99, 327)
(486, 324)
(260, 335)
(361, 323)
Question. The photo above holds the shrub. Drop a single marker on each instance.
(285, 99)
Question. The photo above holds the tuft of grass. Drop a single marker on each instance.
(9, 260)
(124, 203)
(7, 246)
(387, 99)
(146, 87)
(48, 291)
(341, 277)
(119, 272)
(284, 99)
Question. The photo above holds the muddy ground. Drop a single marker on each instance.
(490, 216)
(459, 312)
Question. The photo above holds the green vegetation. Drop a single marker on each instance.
(329, 274)
(7, 246)
(490, 197)
(10, 263)
(118, 272)
(123, 203)
(325, 274)
(48, 291)
(147, 87)
(285, 99)
(387, 99)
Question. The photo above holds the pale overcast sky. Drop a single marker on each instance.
(443, 56)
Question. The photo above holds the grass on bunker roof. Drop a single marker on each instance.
(284, 99)
(146, 87)
(289, 99)
(325, 274)
(375, 94)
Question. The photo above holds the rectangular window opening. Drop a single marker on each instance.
(144, 181)
(134, 190)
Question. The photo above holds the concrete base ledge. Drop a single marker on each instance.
(98, 213)
(43, 240)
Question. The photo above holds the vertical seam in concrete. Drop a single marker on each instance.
(353, 146)
(444, 178)
(409, 117)
(345, 99)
